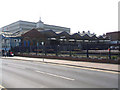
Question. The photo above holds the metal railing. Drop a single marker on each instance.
(67, 50)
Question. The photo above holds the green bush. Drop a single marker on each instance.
(114, 57)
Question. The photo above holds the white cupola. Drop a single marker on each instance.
(40, 24)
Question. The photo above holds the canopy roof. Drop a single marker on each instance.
(62, 35)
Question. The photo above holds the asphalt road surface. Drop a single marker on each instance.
(27, 74)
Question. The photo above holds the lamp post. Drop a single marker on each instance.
(1, 45)
(37, 48)
(43, 49)
(57, 50)
(5, 53)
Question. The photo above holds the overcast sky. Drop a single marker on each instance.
(97, 16)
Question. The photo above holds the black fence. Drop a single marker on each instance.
(68, 50)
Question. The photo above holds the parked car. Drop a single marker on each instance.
(11, 54)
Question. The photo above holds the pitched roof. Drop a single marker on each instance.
(65, 34)
(33, 34)
(48, 33)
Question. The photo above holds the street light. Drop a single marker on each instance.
(5, 53)
(43, 48)
(37, 48)
(0, 45)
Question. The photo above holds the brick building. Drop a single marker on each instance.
(115, 39)
(114, 36)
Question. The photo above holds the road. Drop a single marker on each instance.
(28, 74)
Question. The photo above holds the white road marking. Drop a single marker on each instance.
(1, 87)
(56, 75)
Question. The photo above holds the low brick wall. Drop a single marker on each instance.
(73, 58)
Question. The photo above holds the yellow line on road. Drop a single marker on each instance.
(92, 68)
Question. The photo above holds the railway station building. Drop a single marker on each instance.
(23, 35)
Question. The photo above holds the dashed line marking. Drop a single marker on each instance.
(56, 75)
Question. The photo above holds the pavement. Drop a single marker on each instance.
(92, 65)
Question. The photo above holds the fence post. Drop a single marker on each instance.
(109, 53)
(70, 51)
(45, 50)
(36, 50)
(87, 52)
(56, 50)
